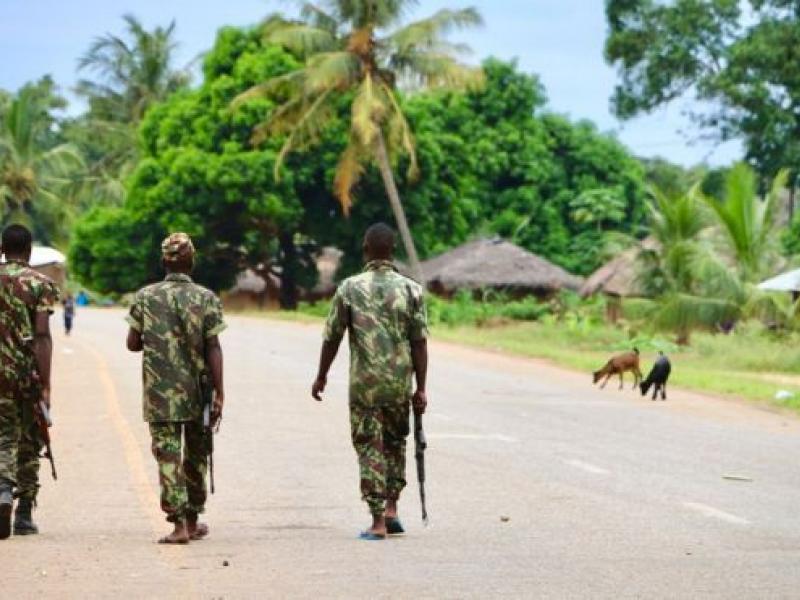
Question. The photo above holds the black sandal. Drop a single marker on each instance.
(5, 520)
(394, 526)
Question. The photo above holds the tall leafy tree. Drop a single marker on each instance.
(482, 154)
(130, 73)
(738, 57)
(198, 174)
(493, 161)
(350, 55)
(38, 175)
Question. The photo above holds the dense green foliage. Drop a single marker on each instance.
(493, 161)
(490, 161)
(737, 55)
(40, 175)
(709, 253)
(199, 174)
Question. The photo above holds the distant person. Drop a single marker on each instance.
(27, 299)
(384, 313)
(69, 313)
(176, 323)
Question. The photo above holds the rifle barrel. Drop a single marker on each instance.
(420, 444)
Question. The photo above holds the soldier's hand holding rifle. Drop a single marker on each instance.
(216, 408)
(419, 402)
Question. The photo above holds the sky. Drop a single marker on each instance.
(559, 40)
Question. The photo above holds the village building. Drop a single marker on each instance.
(496, 264)
(618, 279)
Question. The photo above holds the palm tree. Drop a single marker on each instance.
(675, 224)
(35, 180)
(693, 286)
(133, 72)
(349, 52)
(748, 223)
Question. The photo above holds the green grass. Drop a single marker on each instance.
(750, 364)
(746, 365)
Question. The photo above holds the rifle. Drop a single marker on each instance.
(420, 444)
(41, 416)
(43, 422)
(207, 394)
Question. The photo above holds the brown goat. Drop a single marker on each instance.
(627, 361)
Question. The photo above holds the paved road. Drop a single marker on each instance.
(606, 495)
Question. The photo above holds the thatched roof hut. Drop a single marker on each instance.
(619, 276)
(496, 264)
(50, 262)
(251, 291)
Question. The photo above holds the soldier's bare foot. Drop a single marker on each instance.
(197, 530)
(180, 535)
(377, 530)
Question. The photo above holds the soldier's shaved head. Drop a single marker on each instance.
(16, 241)
(379, 242)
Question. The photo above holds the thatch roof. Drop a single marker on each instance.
(250, 282)
(495, 263)
(618, 277)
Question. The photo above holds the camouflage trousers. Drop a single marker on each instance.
(20, 446)
(180, 450)
(379, 437)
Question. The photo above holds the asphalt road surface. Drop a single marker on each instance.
(539, 486)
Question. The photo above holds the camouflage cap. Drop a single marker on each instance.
(177, 246)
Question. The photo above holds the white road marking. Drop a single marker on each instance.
(588, 467)
(481, 437)
(710, 511)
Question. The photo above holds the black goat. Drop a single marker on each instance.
(658, 377)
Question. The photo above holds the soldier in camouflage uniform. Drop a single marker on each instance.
(27, 299)
(176, 324)
(384, 313)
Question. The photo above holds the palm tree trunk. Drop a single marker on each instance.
(397, 207)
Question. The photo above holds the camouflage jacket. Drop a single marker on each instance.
(23, 293)
(175, 317)
(384, 312)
